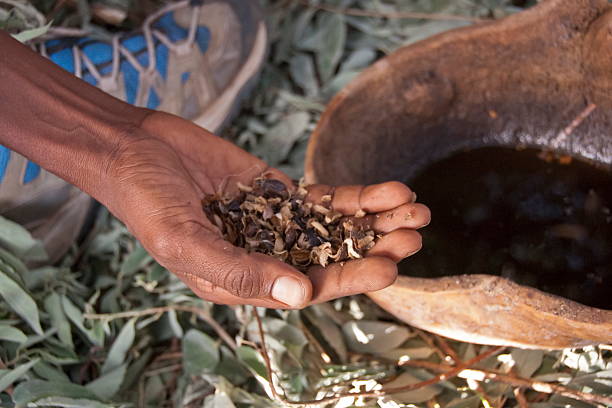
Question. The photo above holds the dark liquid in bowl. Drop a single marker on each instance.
(510, 213)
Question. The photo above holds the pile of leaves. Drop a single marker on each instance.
(268, 219)
(109, 327)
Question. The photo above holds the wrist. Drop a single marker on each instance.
(62, 123)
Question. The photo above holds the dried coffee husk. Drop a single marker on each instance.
(266, 218)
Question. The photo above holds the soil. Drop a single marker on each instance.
(537, 219)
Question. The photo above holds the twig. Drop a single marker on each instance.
(569, 129)
(161, 370)
(395, 15)
(548, 388)
(141, 392)
(176, 355)
(375, 393)
(448, 349)
(317, 345)
(520, 397)
(431, 343)
(155, 310)
(266, 356)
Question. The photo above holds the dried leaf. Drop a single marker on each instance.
(414, 396)
(527, 362)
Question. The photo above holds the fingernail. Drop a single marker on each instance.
(414, 197)
(289, 291)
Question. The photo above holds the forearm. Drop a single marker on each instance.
(57, 120)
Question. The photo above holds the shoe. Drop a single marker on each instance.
(195, 59)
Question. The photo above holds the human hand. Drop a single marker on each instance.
(159, 177)
(152, 170)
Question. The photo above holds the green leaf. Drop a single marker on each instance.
(174, 324)
(64, 402)
(333, 33)
(230, 368)
(10, 333)
(338, 83)
(366, 336)
(218, 400)
(48, 372)
(134, 371)
(53, 306)
(106, 386)
(328, 330)
(200, 353)
(154, 389)
(281, 138)
(138, 258)
(13, 266)
(32, 33)
(33, 390)
(599, 382)
(8, 378)
(95, 334)
(57, 360)
(121, 346)
(302, 70)
(253, 360)
(358, 59)
(19, 300)
(19, 241)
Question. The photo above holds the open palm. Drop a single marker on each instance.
(160, 175)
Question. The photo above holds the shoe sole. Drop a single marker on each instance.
(218, 113)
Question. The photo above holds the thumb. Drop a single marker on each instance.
(195, 250)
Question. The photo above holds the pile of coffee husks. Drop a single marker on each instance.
(267, 218)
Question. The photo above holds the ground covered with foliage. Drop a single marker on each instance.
(109, 327)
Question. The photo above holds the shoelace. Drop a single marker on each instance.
(110, 81)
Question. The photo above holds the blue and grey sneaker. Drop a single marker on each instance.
(193, 58)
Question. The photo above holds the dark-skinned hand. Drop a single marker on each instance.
(161, 177)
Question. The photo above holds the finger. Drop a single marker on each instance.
(351, 278)
(207, 291)
(412, 216)
(374, 198)
(194, 250)
(397, 245)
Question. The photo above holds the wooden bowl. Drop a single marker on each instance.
(517, 81)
